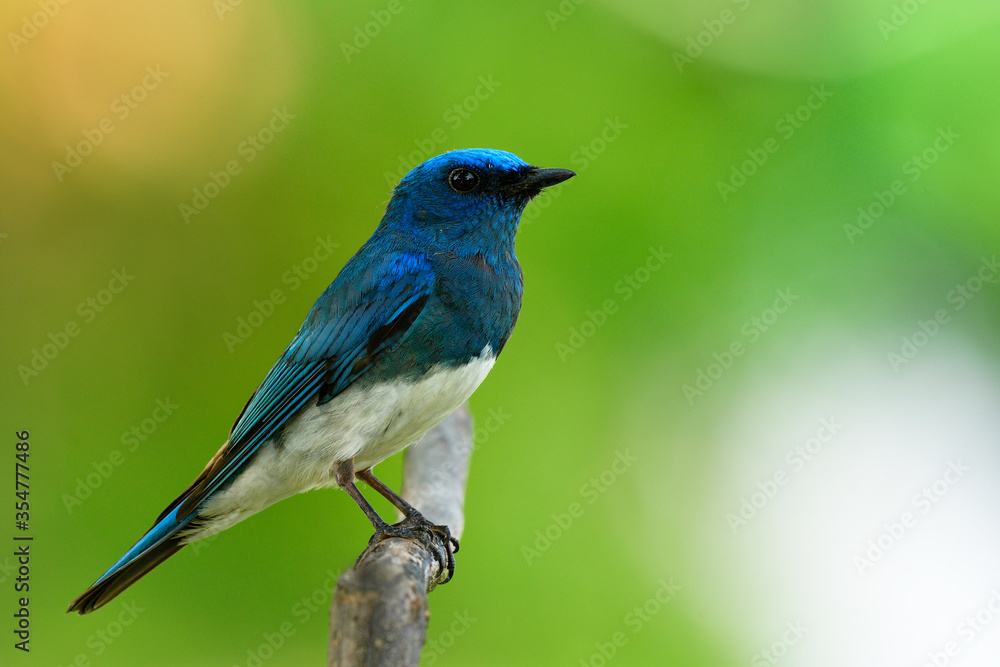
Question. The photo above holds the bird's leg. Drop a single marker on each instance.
(397, 500)
(438, 539)
(345, 480)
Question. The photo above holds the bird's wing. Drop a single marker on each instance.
(349, 329)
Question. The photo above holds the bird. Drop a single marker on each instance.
(408, 329)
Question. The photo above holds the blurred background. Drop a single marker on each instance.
(750, 411)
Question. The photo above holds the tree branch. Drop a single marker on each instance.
(379, 611)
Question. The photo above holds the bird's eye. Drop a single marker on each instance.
(463, 180)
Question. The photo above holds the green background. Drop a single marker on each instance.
(654, 105)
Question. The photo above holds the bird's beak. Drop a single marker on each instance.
(535, 180)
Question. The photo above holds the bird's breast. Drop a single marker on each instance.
(371, 421)
(475, 304)
(415, 407)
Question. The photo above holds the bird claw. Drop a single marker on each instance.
(437, 539)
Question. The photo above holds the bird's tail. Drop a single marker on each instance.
(161, 542)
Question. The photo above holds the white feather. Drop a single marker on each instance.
(367, 425)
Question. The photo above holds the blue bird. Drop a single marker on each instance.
(402, 337)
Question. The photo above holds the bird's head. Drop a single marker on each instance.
(468, 199)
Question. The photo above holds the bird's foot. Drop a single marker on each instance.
(436, 539)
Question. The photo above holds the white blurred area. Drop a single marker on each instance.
(796, 560)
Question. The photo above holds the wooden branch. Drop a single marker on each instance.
(379, 611)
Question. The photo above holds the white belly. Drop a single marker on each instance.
(367, 425)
